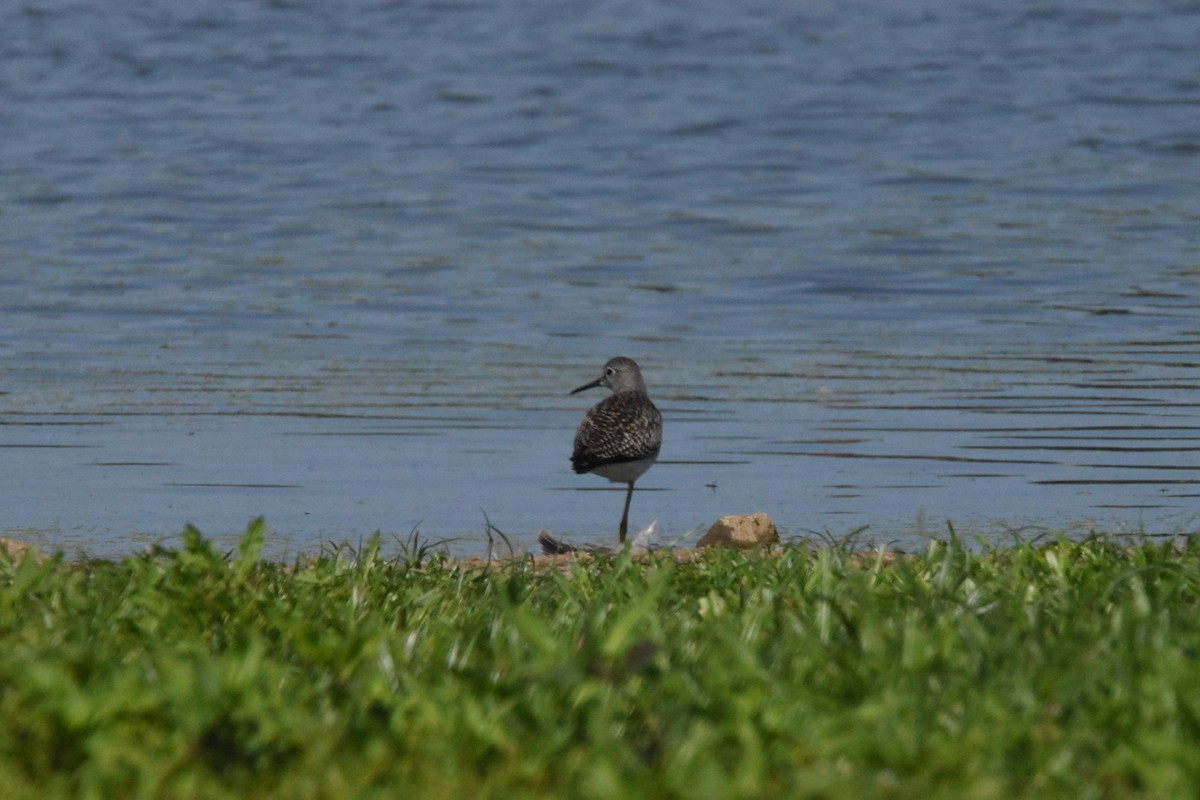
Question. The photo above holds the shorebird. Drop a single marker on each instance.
(620, 436)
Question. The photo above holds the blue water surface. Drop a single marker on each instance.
(884, 265)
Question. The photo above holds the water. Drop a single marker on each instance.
(883, 265)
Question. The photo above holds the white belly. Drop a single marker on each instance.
(626, 472)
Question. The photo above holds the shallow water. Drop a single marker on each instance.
(340, 263)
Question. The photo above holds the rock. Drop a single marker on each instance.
(741, 531)
(16, 550)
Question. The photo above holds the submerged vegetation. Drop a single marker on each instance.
(1061, 670)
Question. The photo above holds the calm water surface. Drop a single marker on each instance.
(339, 263)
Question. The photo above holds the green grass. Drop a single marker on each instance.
(1063, 670)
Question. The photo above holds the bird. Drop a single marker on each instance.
(619, 437)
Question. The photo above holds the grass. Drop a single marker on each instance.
(1061, 670)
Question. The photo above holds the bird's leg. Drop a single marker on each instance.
(625, 513)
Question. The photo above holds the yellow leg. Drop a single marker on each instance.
(625, 513)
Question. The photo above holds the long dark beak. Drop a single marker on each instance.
(587, 386)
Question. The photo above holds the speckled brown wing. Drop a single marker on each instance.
(622, 427)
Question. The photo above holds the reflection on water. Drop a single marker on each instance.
(883, 267)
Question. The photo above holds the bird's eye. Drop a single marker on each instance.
(610, 371)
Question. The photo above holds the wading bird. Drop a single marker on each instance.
(620, 436)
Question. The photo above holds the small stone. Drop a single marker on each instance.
(741, 531)
(16, 550)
